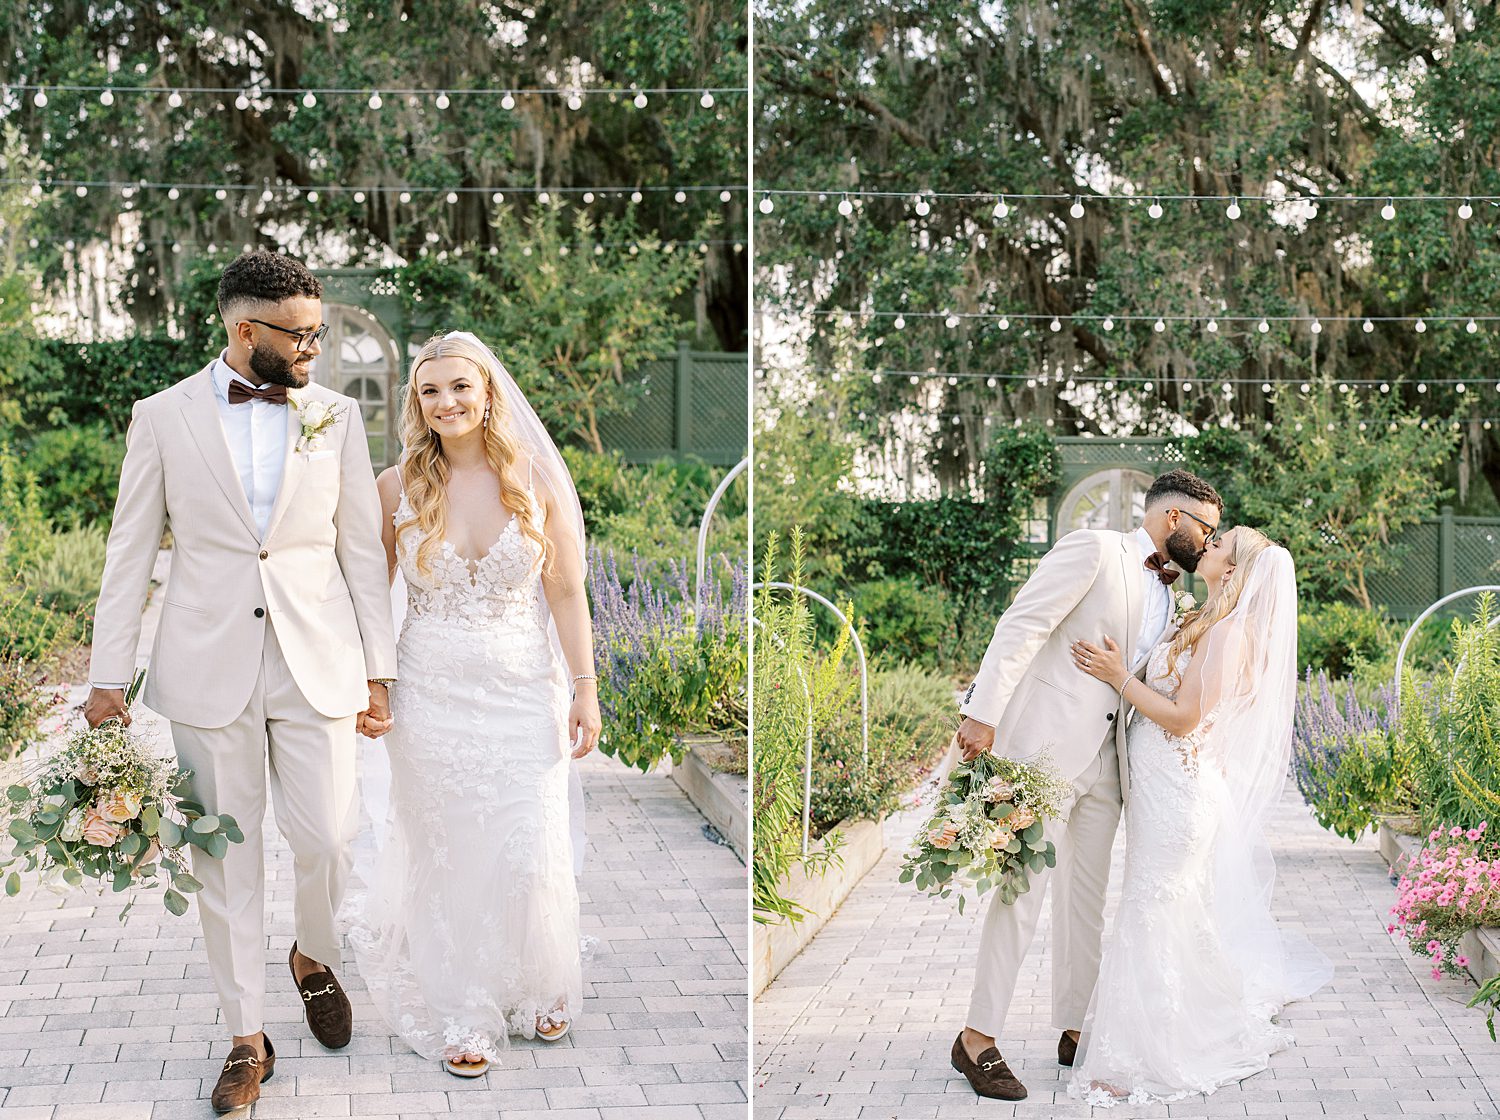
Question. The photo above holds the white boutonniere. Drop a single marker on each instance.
(317, 417)
(1184, 602)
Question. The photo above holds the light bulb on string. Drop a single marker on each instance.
(951, 321)
(766, 205)
(636, 196)
(265, 196)
(1213, 326)
(900, 323)
(242, 102)
(175, 100)
(1001, 209)
(1422, 388)
(1232, 211)
(640, 101)
(1315, 327)
(575, 102)
(1305, 387)
(375, 101)
(845, 206)
(507, 102)
(952, 381)
(1368, 326)
(452, 197)
(707, 100)
(1159, 326)
(1385, 386)
(1465, 211)
(990, 382)
(405, 197)
(1154, 209)
(922, 207)
(1388, 211)
(1108, 324)
(442, 101)
(1471, 326)
(174, 194)
(877, 379)
(1459, 388)
(1264, 327)
(1004, 324)
(915, 380)
(312, 196)
(40, 100)
(680, 196)
(1077, 208)
(107, 97)
(1421, 327)
(221, 194)
(588, 197)
(308, 100)
(1056, 324)
(1265, 387)
(1343, 388)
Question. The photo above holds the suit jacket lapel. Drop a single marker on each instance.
(292, 466)
(201, 412)
(1130, 563)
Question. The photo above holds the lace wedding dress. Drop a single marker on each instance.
(470, 930)
(1173, 1014)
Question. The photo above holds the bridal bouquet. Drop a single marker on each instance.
(986, 831)
(107, 808)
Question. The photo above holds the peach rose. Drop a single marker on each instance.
(1002, 837)
(943, 837)
(87, 775)
(119, 806)
(100, 832)
(1020, 819)
(999, 790)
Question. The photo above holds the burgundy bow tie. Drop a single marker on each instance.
(1157, 562)
(239, 393)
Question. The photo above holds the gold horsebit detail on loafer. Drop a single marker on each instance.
(987, 1066)
(307, 997)
(239, 1062)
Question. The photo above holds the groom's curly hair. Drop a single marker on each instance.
(264, 277)
(1183, 484)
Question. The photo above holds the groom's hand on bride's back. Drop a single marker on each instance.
(974, 738)
(105, 703)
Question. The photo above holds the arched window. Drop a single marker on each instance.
(1109, 499)
(360, 359)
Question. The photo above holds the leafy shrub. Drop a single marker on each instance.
(666, 670)
(1331, 638)
(913, 712)
(67, 579)
(31, 638)
(901, 620)
(77, 472)
(24, 533)
(83, 383)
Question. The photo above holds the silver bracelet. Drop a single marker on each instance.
(584, 677)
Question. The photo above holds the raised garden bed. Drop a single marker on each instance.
(707, 775)
(775, 946)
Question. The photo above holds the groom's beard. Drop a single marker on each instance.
(272, 367)
(1184, 550)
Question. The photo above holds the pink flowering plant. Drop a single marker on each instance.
(987, 830)
(1455, 888)
(107, 808)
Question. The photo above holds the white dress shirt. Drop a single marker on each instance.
(1157, 611)
(256, 434)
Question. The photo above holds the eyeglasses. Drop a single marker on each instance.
(304, 338)
(1213, 530)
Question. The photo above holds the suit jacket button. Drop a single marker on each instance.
(260, 612)
(264, 554)
(1110, 717)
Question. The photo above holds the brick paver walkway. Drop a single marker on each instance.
(861, 1023)
(114, 1021)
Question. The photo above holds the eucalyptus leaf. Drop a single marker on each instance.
(175, 902)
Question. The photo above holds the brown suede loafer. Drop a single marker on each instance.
(329, 1016)
(239, 1081)
(989, 1076)
(1067, 1049)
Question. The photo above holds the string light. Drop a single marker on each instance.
(375, 101)
(1465, 211)
(1262, 322)
(1232, 203)
(174, 190)
(1155, 209)
(1077, 208)
(1001, 209)
(1388, 211)
(175, 94)
(1232, 211)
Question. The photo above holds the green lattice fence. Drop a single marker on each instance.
(696, 402)
(1439, 556)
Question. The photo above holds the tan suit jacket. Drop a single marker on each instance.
(319, 576)
(1027, 688)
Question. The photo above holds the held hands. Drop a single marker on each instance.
(375, 720)
(974, 738)
(106, 703)
(584, 719)
(1105, 664)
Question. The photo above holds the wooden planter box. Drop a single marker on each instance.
(724, 799)
(1481, 946)
(775, 946)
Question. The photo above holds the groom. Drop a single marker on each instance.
(275, 643)
(1028, 698)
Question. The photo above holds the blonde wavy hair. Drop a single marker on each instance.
(425, 469)
(1245, 544)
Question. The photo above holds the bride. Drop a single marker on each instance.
(470, 931)
(1196, 969)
